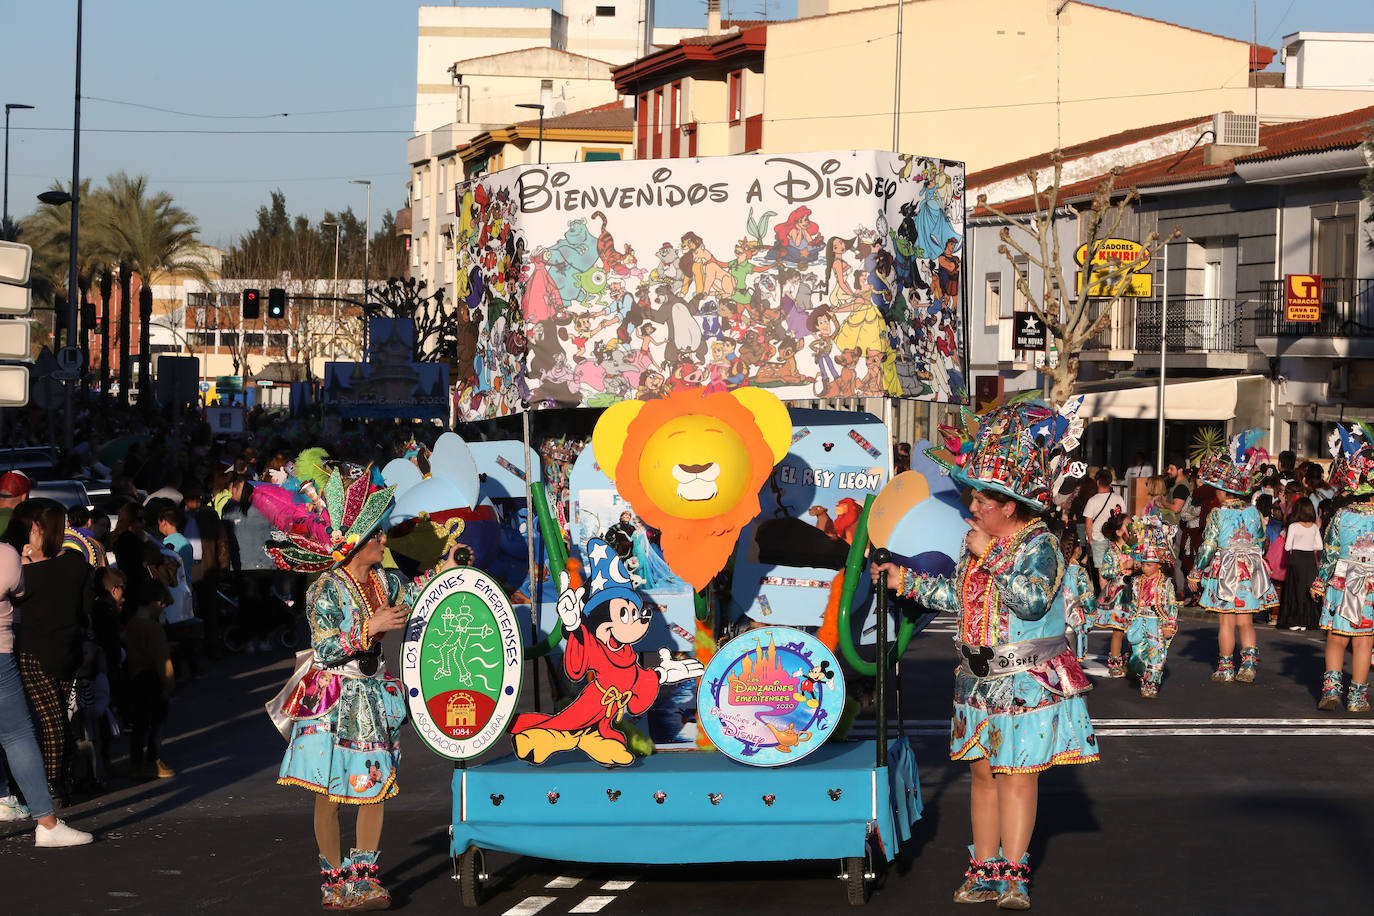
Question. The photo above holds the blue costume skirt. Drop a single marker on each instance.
(1111, 610)
(350, 753)
(1246, 602)
(1018, 725)
(1335, 622)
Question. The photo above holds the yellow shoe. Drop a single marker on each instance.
(537, 744)
(164, 771)
(605, 751)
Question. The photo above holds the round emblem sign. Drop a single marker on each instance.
(462, 659)
(770, 696)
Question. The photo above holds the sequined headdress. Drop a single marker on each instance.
(1352, 451)
(1151, 539)
(1019, 449)
(1236, 470)
(354, 507)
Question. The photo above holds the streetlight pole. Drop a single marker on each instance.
(5, 214)
(367, 246)
(540, 107)
(73, 288)
(334, 329)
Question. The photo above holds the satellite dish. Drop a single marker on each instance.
(560, 109)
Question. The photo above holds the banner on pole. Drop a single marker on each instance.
(815, 275)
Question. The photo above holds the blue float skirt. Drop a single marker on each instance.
(351, 752)
(1018, 725)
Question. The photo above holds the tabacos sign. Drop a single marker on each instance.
(462, 658)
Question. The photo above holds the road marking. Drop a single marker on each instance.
(1185, 728)
(563, 882)
(529, 906)
(617, 885)
(592, 904)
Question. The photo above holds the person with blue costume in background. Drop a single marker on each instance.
(1018, 704)
(1345, 578)
(1229, 570)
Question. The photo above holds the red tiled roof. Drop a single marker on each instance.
(1339, 131)
(702, 50)
(611, 116)
(1331, 132)
(1262, 56)
(1079, 150)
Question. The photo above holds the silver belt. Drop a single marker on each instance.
(1009, 658)
(353, 667)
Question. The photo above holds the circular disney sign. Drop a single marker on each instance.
(462, 659)
(770, 696)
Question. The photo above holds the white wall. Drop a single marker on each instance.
(1329, 60)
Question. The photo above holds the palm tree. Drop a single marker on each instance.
(152, 235)
(48, 230)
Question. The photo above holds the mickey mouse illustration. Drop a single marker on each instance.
(819, 675)
(601, 623)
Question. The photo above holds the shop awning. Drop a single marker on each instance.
(1185, 399)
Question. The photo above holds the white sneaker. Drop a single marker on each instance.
(11, 810)
(60, 835)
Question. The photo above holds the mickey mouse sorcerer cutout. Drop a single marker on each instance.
(600, 648)
(691, 464)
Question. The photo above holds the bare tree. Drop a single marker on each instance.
(1072, 322)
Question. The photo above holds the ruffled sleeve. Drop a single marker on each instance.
(1208, 550)
(1331, 553)
(1028, 588)
(335, 631)
(935, 592)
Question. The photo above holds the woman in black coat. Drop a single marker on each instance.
(54, 615)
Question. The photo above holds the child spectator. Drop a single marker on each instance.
(151, 679)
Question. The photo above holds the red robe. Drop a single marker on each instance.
(615, 681)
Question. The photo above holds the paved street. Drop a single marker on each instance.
(1210, 800)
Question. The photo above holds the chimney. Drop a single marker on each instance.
(712, 17)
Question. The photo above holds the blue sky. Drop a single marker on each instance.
(345, 65)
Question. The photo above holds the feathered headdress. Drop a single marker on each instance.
(315, 541)
(1236, 470)
(1019, 449)
(1151, 539)
(1352, 451)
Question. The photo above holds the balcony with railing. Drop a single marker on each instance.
(1200, 333)
(1344, 327)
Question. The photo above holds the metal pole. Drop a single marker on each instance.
(73, 290)
(1163, 350)
(880, 556)
(533, 572)
(897, 85)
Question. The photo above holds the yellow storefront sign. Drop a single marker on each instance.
(1115, 251)
(1135, 286)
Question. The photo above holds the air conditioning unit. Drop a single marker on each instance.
(1233, 129)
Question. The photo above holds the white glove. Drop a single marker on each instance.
(569, 604)
(671, 670)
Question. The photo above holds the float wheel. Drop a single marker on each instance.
(472, 866)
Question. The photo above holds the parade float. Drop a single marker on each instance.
(691, 299)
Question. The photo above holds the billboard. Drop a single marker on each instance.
(814, 274)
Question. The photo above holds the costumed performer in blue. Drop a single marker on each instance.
(1229, 567)
(1153, 616)
(341, 712)
(602, 620)
(1080, 604)
(1345, 579)
(1018, 705)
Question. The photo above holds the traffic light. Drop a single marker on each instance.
(89, 320)
(250, 304)
(276, 303)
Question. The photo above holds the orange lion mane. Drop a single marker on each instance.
(696, 549)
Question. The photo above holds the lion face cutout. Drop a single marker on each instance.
(692, 464)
